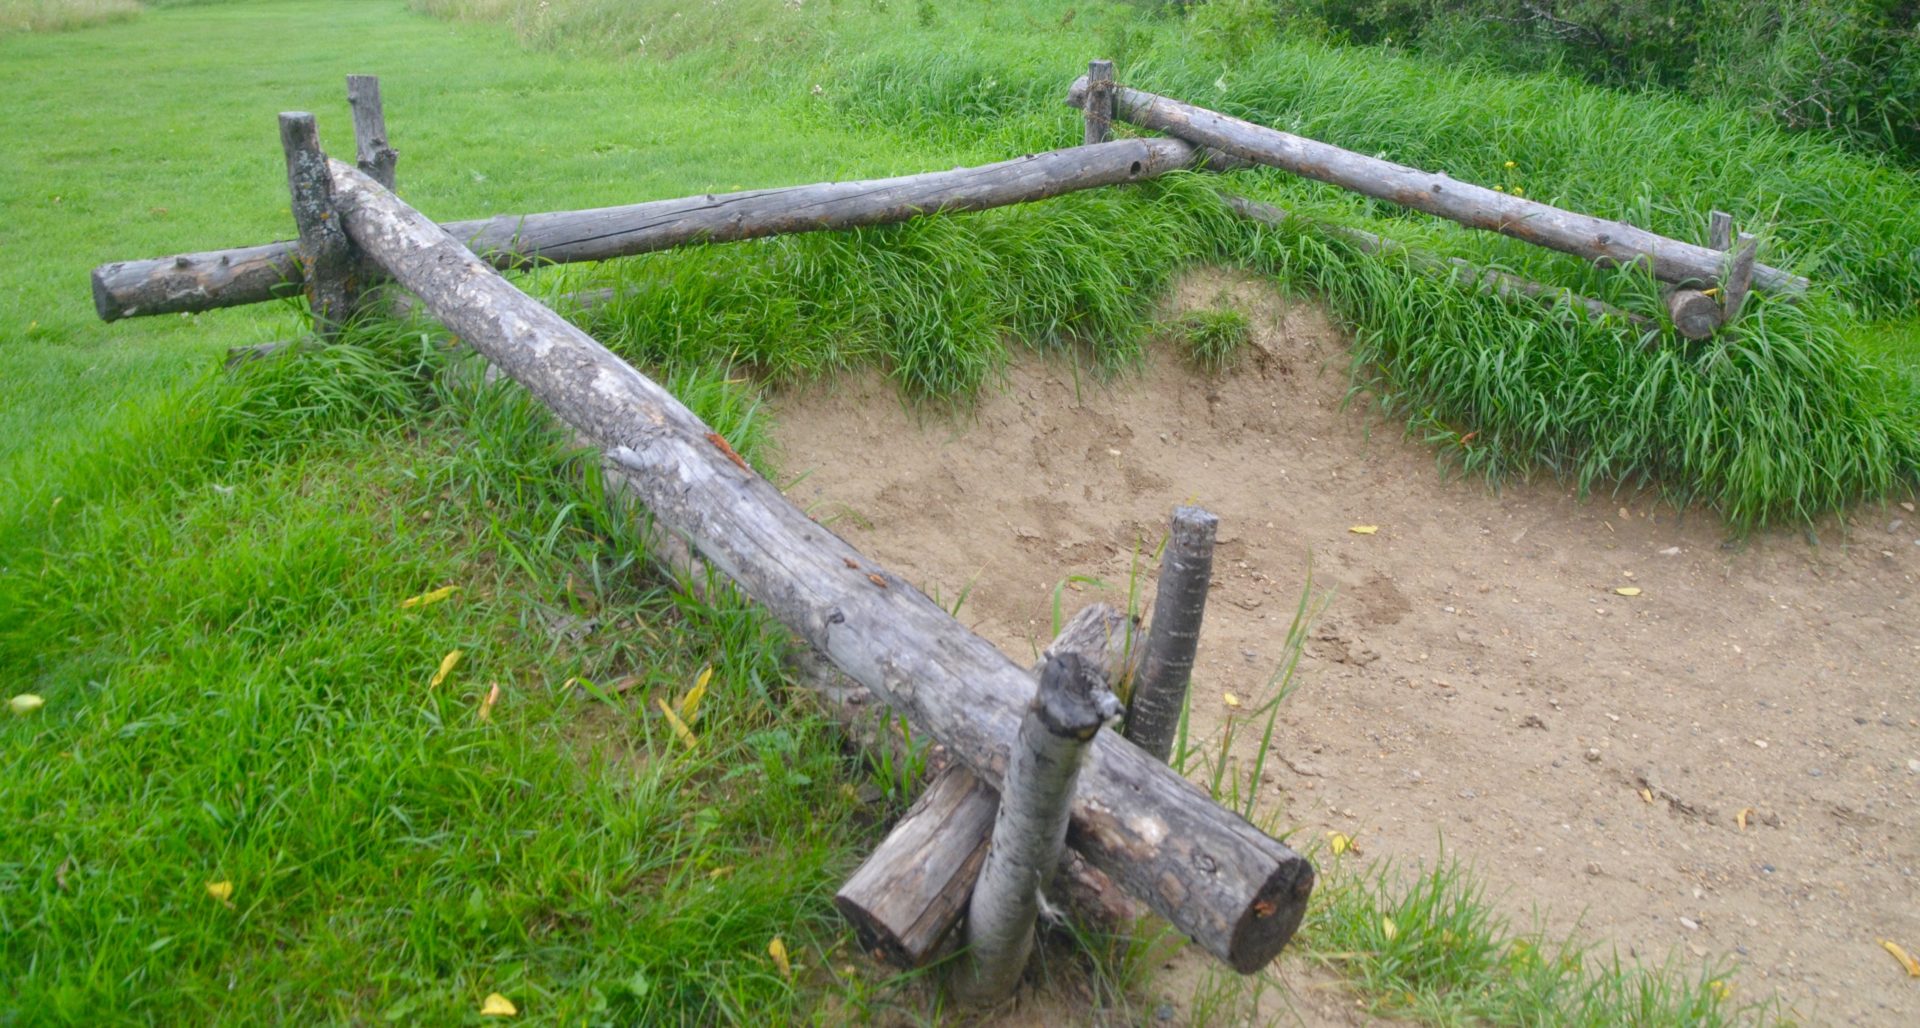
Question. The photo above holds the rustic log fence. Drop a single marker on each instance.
(1039, 757)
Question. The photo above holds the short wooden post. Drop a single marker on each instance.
(325, 252)
(1739, 278)
(1719, 230)
(1099, 108)
(1160, 690)
(911, 890)
(1030, 830)
(371, 151)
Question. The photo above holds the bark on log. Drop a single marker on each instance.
(1464, 272)
(326, 256)
(1237, 892)
(1583, 235)
(1069, 708)
(911, 889)
(228, 278)
(1739, 278)
(1099, 105)
(371, 151)
(1173, 637)
(1694, 314)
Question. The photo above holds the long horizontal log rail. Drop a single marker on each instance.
(204, 281)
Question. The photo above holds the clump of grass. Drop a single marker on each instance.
(62, 15)
(1213, 337)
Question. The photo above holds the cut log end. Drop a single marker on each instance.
(1268, 924)
(103, 303)
(1695, 314)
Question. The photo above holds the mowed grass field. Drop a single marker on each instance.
(252, 794)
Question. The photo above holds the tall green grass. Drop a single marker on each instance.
(211, 605)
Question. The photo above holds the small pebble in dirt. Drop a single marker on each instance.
(1533, 721)
(1814, 772)
(1164, 1012)
(1467, 794)
(1690, 924)
(1894, 525)
(1671, 551)
(1593, 756)
(1593, 869)
(1913, 767)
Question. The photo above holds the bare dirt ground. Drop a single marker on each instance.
(1477, 680)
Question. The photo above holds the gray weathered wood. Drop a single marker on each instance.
(911, 889)
(1464, 272)
(326, 256)
(371, 150)
(1609, 242)
(909, 893)
(1236, 891)
(1694, 314)
(1070, 706)
(1739, 278)
(1719, 230)
(228, 278)
(1099, 105)
(1173, 636)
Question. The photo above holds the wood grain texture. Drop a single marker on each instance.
(229, 278)
(1099, 106)
(371, 150)
(1694, 314)
(1236, 891)
(1597, 239)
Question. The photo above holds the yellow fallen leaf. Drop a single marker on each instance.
(777, 949)
(679, 727)
(1389, 929)
(1905, 958)
(486, 705)
(496, 1005)
(1646, 795)
(222, 891)
(1628, 590)
(1741, 818)
(1722, 989)
(25, 703)
(428, 599)
(1364, 529)
(1342, 843)
(1229, 699)
(446, 667)
(690, 704)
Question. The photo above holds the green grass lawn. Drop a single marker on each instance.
(205, 575)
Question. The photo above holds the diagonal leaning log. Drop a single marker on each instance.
(255, 274)
(1597, 239)
(1236, 891)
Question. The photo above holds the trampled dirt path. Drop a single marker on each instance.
(1477, 680)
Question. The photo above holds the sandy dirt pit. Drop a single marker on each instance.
(1477, 679)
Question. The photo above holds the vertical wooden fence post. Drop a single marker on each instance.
(371, 151)
(1739, 277)
(1030, 829)
(1720, 230)
(325, 251)
(1160, 689)
(1099, 101)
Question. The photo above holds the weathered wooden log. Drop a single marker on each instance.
(228, 278)
(1739, 278)
(1099, 105)
(1069, 708)
(910, 891)
(327, 257)
(1695, 315)
(371, 151)
(1173, 636)
(1236, 891)
(1597, 239)
(1466, 273)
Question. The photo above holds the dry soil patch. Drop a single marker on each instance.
(1477, 680)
